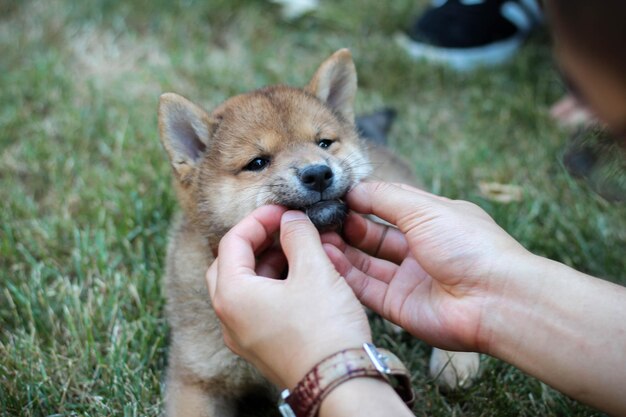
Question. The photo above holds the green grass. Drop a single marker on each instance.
(86, 197)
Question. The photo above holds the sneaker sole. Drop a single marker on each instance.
(462, 59)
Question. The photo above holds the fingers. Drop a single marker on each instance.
(301, 243)
(379, 240)
(390, 202)
(353, 259)
(369, 290)
(237, 248)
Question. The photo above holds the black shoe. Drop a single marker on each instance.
(466, 34)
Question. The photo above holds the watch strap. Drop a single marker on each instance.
(368, 361)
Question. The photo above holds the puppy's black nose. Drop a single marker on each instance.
(316, 177)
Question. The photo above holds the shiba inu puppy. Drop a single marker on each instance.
(276, 145)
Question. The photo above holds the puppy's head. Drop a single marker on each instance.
(276, 145)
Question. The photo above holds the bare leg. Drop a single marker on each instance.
(570, 112)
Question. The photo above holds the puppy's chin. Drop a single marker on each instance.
(327, 215)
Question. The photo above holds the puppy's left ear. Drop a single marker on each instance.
(334, 83)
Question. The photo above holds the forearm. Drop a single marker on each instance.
(565, 328)
(363, 397)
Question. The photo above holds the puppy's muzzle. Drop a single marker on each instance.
(326, 214)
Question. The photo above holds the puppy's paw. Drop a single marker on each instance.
(453, 370)
(393, 328)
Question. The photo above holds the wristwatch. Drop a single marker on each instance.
(367, 361)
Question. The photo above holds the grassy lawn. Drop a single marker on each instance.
(86, 197)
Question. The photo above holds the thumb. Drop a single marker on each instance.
(301, 242)
(391, 202)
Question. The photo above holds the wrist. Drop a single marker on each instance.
(513, 285)
(334, 371)
(309, 356)
(563, 327)
(531, 309)
(363, 396)
(307, 360)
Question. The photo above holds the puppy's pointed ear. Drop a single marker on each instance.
(334, 83)
(185, 131)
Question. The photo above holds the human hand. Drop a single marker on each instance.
(434, 274)
(283, 327)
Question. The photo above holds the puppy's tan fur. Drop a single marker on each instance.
(210, 155)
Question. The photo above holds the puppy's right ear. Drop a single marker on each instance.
(185, 131)
(335, 84)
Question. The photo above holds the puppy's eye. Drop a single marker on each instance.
(257, 164)
(325, 143)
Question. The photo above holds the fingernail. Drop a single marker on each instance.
(292, 215)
